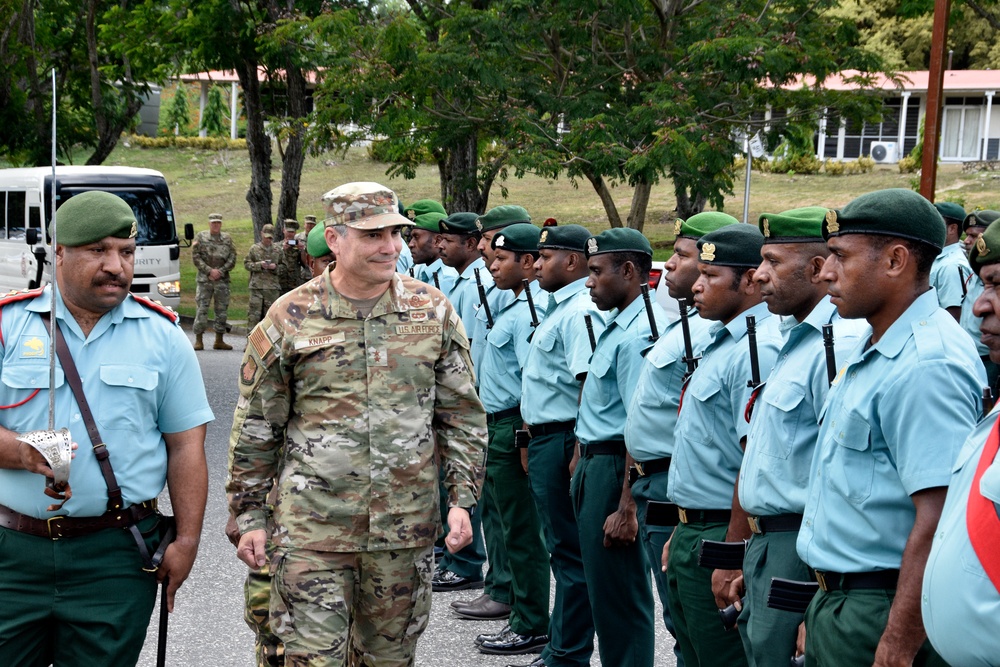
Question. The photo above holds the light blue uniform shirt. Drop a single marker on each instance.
(614, 371)
(892, 424)
(969, 321)
(559, 354)
(446, 274)
(464, 296)
(507, 351)
(711, 423)
(960, 605)
(405, 259)
(945, 277)
(141, 378)
(652, 412)
(785, 422)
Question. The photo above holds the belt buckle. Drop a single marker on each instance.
(638, 469)
(821, 580)
(48, 524)
(754, 522)
(682, 514)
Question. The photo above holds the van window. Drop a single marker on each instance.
(15, 215)
(153, 214)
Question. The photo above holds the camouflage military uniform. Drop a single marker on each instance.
(212, 252)
(291, 274)
(305, 273)
(363, 409)
(265, 285)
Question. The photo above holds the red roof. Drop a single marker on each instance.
(955, 81)
(229, 76)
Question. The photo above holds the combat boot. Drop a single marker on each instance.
(221, 344)
(199, 344)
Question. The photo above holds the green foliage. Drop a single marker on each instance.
(177, 117)
(214, 122)
(171, 141)
(912, 162)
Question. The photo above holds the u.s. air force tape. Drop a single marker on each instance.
(56, 447)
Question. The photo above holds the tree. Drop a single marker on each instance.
(214, 121)
(178, 112)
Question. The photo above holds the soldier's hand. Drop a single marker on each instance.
(524, 459)
(33, 461)
(250, 550)
(665, 555)
(178, 559)
(459, 530)
(727, 585)
(621, 528)
(214, 274)
(232, 532)
(800, 640)
(574, 460)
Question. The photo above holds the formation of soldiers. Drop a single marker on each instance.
(774, 456)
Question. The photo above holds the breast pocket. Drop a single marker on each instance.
(600, 370)
(853, 467)
(20, 382)
(703, 393)
(783, 415)
(499, 342)
(656, 399)
(126, 398)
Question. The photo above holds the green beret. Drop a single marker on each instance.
(91, 216)
(986, 249)
(519, 237)
(733, 245)
(501, 216)
(799, 225)
(565, 237)
(952, 213)
(316, 242)
(980, 219)
(700, 224)
(421, 206)
(459, 223)
(620, 239)
(429, 220)
(894, 212)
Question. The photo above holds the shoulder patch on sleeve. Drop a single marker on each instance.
(158, 307)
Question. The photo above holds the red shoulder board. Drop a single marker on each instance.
(19, 295)
(167, 312)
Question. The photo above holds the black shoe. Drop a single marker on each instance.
(438, 554)
(491, 636)
(537, 662)
(458, 604)
(514, 644)
(446, 580)
(487, 610)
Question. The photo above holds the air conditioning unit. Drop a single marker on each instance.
(884, 152)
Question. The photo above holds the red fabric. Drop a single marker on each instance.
(168, 313)
(981, 516)
(748, 411)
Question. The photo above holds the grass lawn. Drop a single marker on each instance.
(203, 182)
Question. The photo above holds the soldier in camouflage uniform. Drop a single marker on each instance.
(302, 238)
(263, 262)
(353, 389)
(214, 255)
(290, 269)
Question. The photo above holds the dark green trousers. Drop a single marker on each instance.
(78, 602)
(703, 640)
(521, 531)
(617, 577)
(571, 626)
(769, 634)
(654, 487)
(843, 629)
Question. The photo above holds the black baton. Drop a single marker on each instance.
(161, 639)
(831, 356)
(590, 333)
(437, 281)
(754, 361)
(483, 302)
(654, 335)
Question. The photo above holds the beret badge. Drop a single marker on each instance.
(544, 237)
(767, 228)
(500, 241)
(135, 230)
(981, 247)
(708, 252)
(411, 214)
(479, 224)
(677, 226)
(832, 226)
(591, 246)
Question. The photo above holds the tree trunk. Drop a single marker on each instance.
(601, 186)
(459, 172)
(640, 201)
(686, 207)
(258, 147)
(294, 157)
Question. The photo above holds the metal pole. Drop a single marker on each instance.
(746, 187)
(935, 85)
(52, 273)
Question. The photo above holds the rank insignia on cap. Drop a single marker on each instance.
(677, 226)
(708, 252)
(411, 214)
(832, 226)
(134, 231)
(591, 246)
(767, 228)
(479, 224)
(544, 236)
(500, 241)
(981, 246)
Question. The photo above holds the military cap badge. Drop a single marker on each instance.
(767, 228)
(444, 226)
(134, 231)
(708, 252)
(544, 236)
(591, 245)
(479, 224)
(677, 226)
(411, 214)
(981, 247)
(500, 241)
(832, 226)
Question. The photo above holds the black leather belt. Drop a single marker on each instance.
(72, 526)
(835, 581)
(661, 514)
(551, 427)
(607, 448)
(703, 516)
(503, 414)
(652, 467)
(776, 523)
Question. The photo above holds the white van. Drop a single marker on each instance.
(25, 212)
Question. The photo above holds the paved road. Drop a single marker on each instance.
(207, 625)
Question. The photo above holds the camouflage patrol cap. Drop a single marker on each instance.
(980, 219)
(894, 212)
(363, 205)
(91, 216)
(316, 242)
(212, 217)
(702, 223)
(290, 225)
(267, 231)
(952, 213)
(310, 219)
(620, 239)
(459, 223)
(429, 221)
(566, 237)
(519, 237)
(799, 225)
(501, 216)
(421, 206)
(733, 245)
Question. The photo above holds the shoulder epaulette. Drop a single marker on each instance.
(166, 311)
(19, 295)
